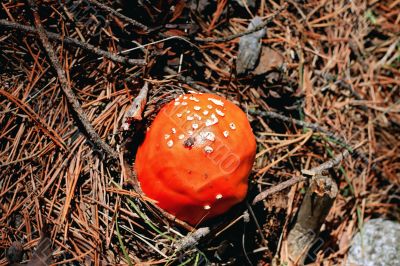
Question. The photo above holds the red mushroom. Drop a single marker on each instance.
(196, 157)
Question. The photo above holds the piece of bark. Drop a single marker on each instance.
(135, 111)
(250, 47)
(312, 213)
(288, 183)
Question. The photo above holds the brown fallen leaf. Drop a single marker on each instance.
(269, 60)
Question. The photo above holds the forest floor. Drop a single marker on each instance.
(327, 81)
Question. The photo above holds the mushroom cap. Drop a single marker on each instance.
(196, 157)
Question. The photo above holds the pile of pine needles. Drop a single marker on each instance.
(70, 71)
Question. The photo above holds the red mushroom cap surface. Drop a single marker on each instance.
(196, 157)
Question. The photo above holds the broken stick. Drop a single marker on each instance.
(312, 213)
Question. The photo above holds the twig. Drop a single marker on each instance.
(312, 173)
(71, 98)
(327, 165)
(279, 187)
(74, 42)
(191, 239)
(175, 220)
(119, 15)
(234, 36)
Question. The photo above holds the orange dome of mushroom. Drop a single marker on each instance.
(196, 157)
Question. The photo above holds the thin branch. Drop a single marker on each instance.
(191, 239)
(327, 165)
(315, 171)
(74, 42)
(234, 36)
(119, 15)
(281, 186)
(69, 94)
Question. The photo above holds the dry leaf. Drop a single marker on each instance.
(269, 60)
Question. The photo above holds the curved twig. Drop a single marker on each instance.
(74, 42)
(69, 94)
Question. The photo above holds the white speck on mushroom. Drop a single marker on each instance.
(209, 136)
(216, 101)
(232, 125)
(212, 121)
(219, 196)
(184, 97)
(226, 133)
(189, 118)
(184, 103)
(190, 132)
(197, 108)
(207, 207)
(188, 111)
(170, 143)
(195, 126)
(181, 136)
(166, 136)
(208, 149)
(177, 103)
(179, 115)
(219, 112)
(205, 112)
(196, 100)
(173, 130)
(209, 106)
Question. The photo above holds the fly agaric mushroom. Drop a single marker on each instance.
(196, 157)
